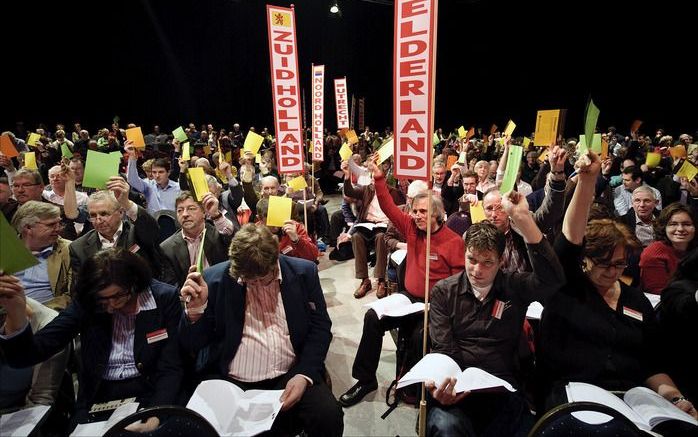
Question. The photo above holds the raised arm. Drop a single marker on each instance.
(134, 178)
(574, 224)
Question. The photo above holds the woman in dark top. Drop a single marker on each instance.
(678, 323)
(596, 329)
(128, 326)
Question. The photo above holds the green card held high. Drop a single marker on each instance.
(14, 255)
(592, 116)
(180, 135)
(512, 170)
(99, 167)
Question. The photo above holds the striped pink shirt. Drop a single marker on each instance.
(265, 350)
(121, 363)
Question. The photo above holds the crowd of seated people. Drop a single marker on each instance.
(135, 308)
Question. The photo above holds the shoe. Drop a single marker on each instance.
(381, 290)
(364, 288)
(354, 395)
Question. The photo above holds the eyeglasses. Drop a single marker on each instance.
(101, 215)
(54, 225)
(23, 186)
(104, 301)
(618, 266)
(677, 224)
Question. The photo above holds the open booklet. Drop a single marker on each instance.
(395, 305)
(22, 422)
(99, 428)
(371, 226)
(438, 367)
(642, 406)
(233, 411)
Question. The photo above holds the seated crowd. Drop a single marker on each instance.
(142, 290)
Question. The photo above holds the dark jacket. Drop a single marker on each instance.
(159, 362)
(140, 237)
(177, 254)
(466, 329)
(222, 323)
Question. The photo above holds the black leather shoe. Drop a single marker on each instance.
(354, 395)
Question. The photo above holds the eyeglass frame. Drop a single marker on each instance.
(93, 218)
(57, 225)
(102, 302)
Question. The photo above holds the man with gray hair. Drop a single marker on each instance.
(119, 222)
(39, 226)
(640, 217)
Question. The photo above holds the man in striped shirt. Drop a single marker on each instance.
(265, 319)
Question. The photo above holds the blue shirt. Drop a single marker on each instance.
(35, 279)
(158, 198)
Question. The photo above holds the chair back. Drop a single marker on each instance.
(560, 422)
(174, 421)
(167, 222)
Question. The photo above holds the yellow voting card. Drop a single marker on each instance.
(198, 181)
(279, 210)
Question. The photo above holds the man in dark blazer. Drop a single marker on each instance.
(135, 231)
(181, 249)
(264, 319)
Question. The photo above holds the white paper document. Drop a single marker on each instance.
(534, 311)
(22, 422)
(234, 412)
(398, 256)
(395, 305)
(371, 226)
(438, 367)
(642, 406)
(99, 428)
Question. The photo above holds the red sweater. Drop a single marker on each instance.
(447, 247)
(658, 263)
(303, 248)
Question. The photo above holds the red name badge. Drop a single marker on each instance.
(637, 315)
(155, 336)
(498, 309)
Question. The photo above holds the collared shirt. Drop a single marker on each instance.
(121, 363)
(644, 231)
(106, 244)
(157, 197)
(375, 213)
(485, 185)
(265, 350)
(623, 199)
(35, 279)
(56, 198)
(193, 245)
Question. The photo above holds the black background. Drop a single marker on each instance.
(171, 62)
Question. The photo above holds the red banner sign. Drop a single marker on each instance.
(340, 97)
(413, 86)
(318, 93)
(283, 54)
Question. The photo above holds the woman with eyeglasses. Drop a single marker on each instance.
(674, 234)
(128, 326)
(596, 329)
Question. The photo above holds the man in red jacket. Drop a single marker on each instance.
(446, 258)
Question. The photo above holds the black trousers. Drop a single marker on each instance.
(317, 412)
(369, 351)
